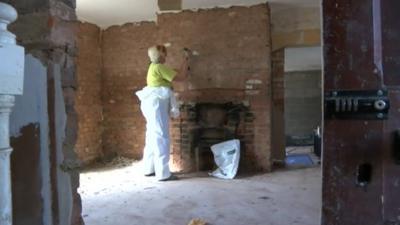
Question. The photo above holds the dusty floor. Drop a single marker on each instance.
(124, 197)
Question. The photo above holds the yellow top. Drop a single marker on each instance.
(160, 75)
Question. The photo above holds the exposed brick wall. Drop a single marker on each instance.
(88, 95)
(46, 29)
(233, 66)
(124, 70)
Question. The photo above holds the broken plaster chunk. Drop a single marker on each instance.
(254, 81)
(249, 87)
(253, 92)
(232, 14)
(197, 222)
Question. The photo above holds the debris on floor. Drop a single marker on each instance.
(110, 163)
(197, 222)
(125, 197)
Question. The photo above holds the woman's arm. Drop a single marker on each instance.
(183, 71)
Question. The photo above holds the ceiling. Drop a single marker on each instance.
(105, 13)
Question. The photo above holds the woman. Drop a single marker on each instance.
(157, 103)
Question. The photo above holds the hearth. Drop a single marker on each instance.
(214, 123)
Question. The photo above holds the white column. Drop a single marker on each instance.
(11, 84)
(6, 103)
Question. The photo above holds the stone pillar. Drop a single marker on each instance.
(11, 83)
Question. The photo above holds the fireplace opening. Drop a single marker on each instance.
(214, 123)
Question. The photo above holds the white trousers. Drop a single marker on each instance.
(155, 109)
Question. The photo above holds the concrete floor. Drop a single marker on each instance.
(124, 197)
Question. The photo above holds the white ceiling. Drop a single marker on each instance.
(105, 13)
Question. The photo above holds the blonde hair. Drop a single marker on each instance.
(155, 52)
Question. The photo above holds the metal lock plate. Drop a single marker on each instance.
(359, 105)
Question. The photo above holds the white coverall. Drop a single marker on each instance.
(157, 104)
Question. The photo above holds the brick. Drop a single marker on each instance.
(234, 47)
(88, 101)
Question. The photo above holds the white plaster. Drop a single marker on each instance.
(207, 4)
(252, 92)
(246, 103)
(33, 103)
(11, 80)
(11, 69)
(6, 103)
(303, 59)
(11, 55)
(249, 87)
(7, 15)
(31, 108)
(254, 81)
(105, 13)
(64, 188)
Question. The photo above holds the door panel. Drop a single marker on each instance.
(391, 168)
(390, 10)
(361, 163)
(391, 69)
(354, 150)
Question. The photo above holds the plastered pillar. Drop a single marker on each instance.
(11, 84)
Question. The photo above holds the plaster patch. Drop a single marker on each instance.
(31, 106)
(254, 81)
(252, 92)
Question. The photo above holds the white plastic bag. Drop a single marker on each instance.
(226, 156)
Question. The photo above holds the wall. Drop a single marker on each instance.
(303, 76)
(291, 26)
(124, 70)
(45, 142)
(236, 52)
(295, 25)
(29, 160)
(234, 65)
(278, 107)
(303, 107)
(88, 94)
(303, 59)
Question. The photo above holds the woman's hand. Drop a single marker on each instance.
(183, 71)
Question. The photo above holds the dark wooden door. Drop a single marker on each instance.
(361, 180)
(390, 14)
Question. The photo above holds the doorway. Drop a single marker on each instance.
(303, 105)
